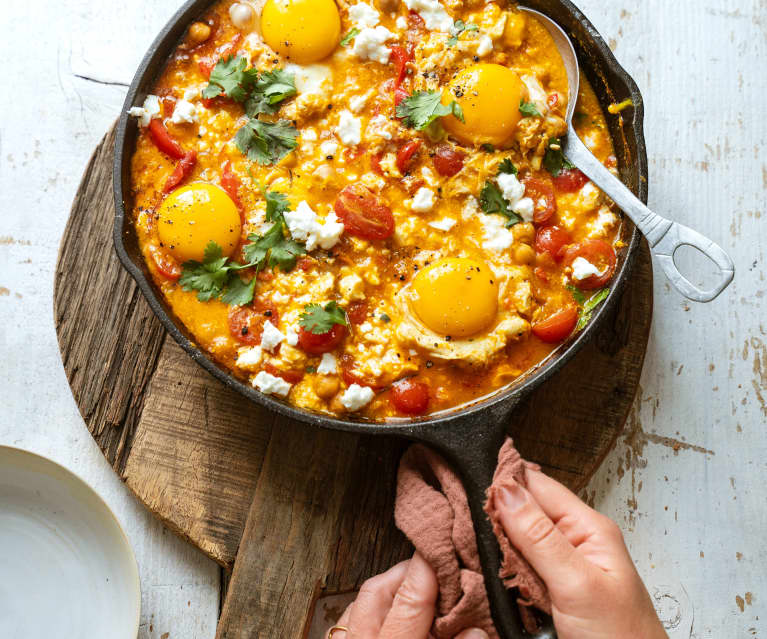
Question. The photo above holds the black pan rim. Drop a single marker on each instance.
(159, 52)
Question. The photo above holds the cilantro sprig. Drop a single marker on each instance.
(346, 40)
(422, 108)
(587, 306)
(555, 161)
(271, 88)
(209, 277)
(506, 166)
(491, 199)
(320, 320)
(529, 110)
(459, 26)
(266, 142)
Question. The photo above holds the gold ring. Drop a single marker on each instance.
(335, 629)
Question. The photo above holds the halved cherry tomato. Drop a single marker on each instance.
(363, 213)
(183, 170)
(357, 312)
(375, 163)
(551, 240)
(415, 21)
(399, 95)
(600, 254)
(400, 56)
(406, 156)
(163, 140)
(570, 180)
(318, 344)
(410, 397)
(541, 191)
(230, 182)
(350, 376)
(291, 377)
(557, 327)
(448, 161)
(246, 323)
(165, 262)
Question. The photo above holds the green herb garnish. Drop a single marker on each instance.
(320, 320)
(555, 161)
(422, 108)
(266, 142)
(587, 306)
(271, 88)
(349, 37)
(529, 110)
(491, 201)
(459, 26)
(507, 167)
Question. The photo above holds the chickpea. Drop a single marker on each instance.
(523, 232)
(326, 386)
(336, 406)
(199, 32)
(524, 254)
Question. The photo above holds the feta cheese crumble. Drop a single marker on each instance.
(423, 200)
(271, 338)
(433, 14)
(351, 287)
(271, 385)
(356, 397)
(328, 365)
(291, 336)
(357, 102)
(328, 147)
(363, 15)
(583, 269)
(496, 236)
(309, 134)
(184, 113)
(248, 358)
(537, 94)
(304, 226)
(370, 44)
(514, 191)
(485, 45)
(146, 113)
(349, 129)
(445, 224)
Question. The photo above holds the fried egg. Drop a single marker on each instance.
(195, 215)
(304, 31)
(451, 310)
(489, 95)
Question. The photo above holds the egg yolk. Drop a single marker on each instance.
(456, 297)
(304, 31)
(489, 95)
(194, 215)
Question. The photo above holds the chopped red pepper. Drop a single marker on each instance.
(206, 65)
(401, 56)
(406, 155)
(184, 168)
(230, 182)
(163, 140)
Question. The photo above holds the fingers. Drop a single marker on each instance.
(472, 633)
(373, 603)
(412, 612)
(534, 534)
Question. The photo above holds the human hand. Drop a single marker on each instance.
(398, 604)
(596, 592)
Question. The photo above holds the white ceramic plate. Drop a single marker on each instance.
(66, 568)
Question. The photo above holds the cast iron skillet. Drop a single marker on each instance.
(471, 437)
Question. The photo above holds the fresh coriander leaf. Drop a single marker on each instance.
(487, 148)
(349, 37)
(529, 110)
(492, 201)
(385, 318)
(276, 205)
(271, 88)
(595, 300)
(273, 249)
(230, 77)
(452, 41)
(578, 296)
(555, 161)
(266, 142)
(321, 320)
(311, 369)
(507, 167)
(587, 306)
(208, 277)
(422, 108)
(459, 26)
(239, 293)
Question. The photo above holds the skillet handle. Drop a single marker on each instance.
(470, 444)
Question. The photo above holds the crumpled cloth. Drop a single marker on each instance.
(433, 511)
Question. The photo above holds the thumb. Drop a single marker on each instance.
(472, 633)
(533, 533)
(412, 612)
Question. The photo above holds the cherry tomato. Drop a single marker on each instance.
(410, 397)
(552, 100)
(399, 95)
(291, 377)
(230, 182)
(551, 240)
(541, 191)
(557, 327)
(163, 140)
(246, 323)
(415, 21)
(165, 262)
(400, 56)
(570, 180)
(364, 214)
(183, 170)
(350, 376)
(318, 344)
(600, 254)
(375, 163)
(448, 161)
(357, 312)
(406, 156)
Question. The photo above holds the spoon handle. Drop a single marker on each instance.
(664, 236)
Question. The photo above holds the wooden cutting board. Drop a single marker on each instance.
(199, 455)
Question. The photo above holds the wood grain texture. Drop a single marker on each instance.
(210, 464)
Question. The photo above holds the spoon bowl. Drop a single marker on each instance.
(664, 236)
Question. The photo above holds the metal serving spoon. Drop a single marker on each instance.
(664, 236)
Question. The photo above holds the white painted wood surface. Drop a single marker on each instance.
(686, 482)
